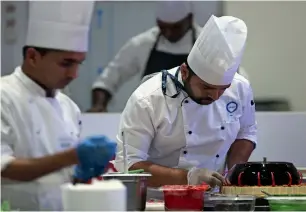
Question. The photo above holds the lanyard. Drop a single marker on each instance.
(177, 84)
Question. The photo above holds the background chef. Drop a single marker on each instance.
(182, 124)
(39, 125)
(162, 47)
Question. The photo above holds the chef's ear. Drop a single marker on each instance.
(31, 56)
(184, 71)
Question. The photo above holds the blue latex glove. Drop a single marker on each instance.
(82, 174)
(86, 174)
(95, 151)
(99, 170)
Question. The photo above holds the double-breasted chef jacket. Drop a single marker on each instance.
(177, 132)
(34, 126)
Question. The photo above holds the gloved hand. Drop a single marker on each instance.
(95, 151)
(84, 174)
(197, 176)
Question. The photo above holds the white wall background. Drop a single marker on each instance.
(277, 140)
(275, 57)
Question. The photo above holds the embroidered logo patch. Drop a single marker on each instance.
(231, 107)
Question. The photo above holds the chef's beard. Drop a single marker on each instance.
(198, 100)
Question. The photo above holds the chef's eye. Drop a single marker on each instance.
(66, 64)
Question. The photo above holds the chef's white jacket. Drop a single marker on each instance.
(133, 56)
(33, 125)
(177, 132)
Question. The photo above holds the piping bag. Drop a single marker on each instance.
(125, 158)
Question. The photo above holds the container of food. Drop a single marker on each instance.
(287, 203)
(184, 197)
(233, 202)
(265, 173)
(136, 184)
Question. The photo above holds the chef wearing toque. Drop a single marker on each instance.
(162, 47)
(40, 126)
(183, 124)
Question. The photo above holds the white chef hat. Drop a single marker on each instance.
(62, 25)
(217, 53)
(173, 11)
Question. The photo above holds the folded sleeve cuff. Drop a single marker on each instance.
(119, 164)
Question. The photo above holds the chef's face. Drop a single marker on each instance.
(198, 90)
(175, 31)
(54, 69)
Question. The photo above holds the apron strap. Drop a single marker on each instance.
(155, 43)
(194, 36)
(178, 85)
(193, 39)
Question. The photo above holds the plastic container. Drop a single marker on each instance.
(184, 197)
(233, 202)
(287, 203)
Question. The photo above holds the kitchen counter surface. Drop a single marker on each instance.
(155, 206)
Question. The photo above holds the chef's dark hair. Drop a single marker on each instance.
(41, 51)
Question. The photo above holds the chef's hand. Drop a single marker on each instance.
(197, 176)
(95, 151)
(227, 181)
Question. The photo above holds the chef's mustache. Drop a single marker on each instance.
(208, 99)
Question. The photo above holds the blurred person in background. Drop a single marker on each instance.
(162, 47)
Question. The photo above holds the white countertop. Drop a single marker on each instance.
(155, 206)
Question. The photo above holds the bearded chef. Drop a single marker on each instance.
(162, 47)
(40, 126)
(182, 124)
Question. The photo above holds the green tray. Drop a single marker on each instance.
(287, 203)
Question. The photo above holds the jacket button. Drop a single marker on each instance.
(190, 132)
(186, 101)
(222, 128)
(185, 152)
(217, 156)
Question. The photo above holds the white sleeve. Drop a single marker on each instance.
(248, 124)
(8, 135)
(121, 68)
(136, 123)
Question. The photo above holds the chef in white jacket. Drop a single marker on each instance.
(162, 47)
(181, 125)
(40, 126)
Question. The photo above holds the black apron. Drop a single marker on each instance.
(161, 60)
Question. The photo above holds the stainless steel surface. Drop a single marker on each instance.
(136, 185)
